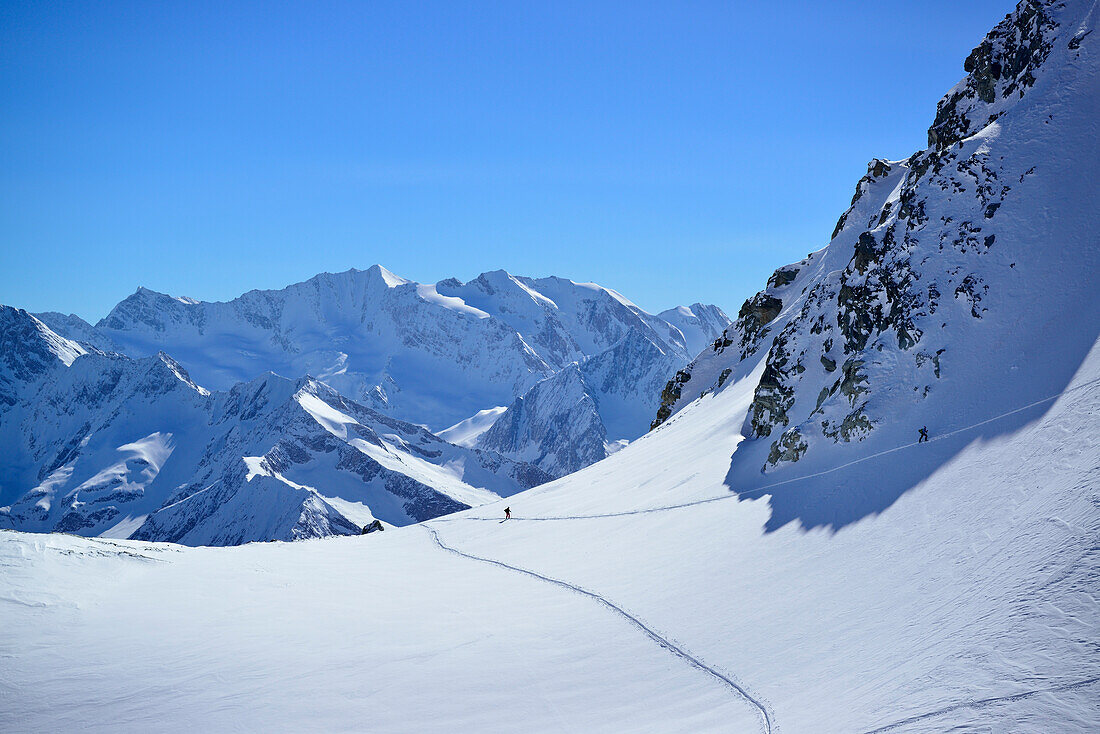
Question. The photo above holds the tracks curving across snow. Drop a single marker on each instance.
(748, 493)
(765, 717)
(624, 513)
(982, 703)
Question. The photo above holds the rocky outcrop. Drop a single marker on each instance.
(1003, 66)
(671, 393)
(877, 298)
(869, 310)
(755, 314)
(783, 276)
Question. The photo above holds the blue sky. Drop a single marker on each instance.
(675, 151)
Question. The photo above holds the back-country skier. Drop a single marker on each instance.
(923, 435)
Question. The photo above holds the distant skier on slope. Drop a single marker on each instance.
(923, 435)
(507, 513)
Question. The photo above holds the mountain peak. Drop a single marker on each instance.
(390, 279)
(29, 347)
(178, 370)
(999, 71)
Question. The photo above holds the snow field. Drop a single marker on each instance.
(384, 632)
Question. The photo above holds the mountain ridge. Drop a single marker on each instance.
(433, 354)
(949, 270)
(104, 444)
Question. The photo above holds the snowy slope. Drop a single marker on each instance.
(77, 329)
(466, 432)
(870, 586)
(959, 275)
(969, 604)
(101, 444)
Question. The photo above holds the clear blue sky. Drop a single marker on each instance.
(676, 151)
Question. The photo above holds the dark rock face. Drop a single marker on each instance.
(374, 527)
(841, 324)
(759, 310)
(753, 318)
(1003, 64)
(671, 393)
(852, 428)
(773, 396)
(789, 447)
(878, 168)
(783, 276)
(867, 251)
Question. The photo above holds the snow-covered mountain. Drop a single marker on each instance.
(431, 354)
(863, 583)
(102, 444)
(586, 410)
(962, 276)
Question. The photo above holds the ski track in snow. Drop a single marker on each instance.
(982, 703)
(746, 493)
(687, 657)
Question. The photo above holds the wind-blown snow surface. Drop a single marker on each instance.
(467, 432)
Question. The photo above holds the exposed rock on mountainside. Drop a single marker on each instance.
(932, 248)
(670, 395)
